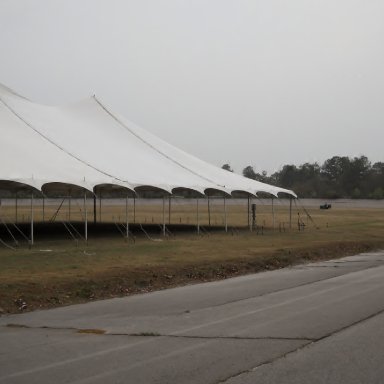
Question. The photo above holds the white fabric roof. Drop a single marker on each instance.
(86, 145)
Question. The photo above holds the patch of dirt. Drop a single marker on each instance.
(125, 282)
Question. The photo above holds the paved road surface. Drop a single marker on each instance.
(319, 323)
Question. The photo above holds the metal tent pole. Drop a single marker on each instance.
(94, 209)
(126, 217)
(209, 211)
(197, 216)
(134, 209)
(273, 214)
(16, 206)
(169, 210)
(225, 215)
(290, 213)
(85, 217)
(163, 215)
(100, 208)
(253, 208)
(32, 229)
(249, 214)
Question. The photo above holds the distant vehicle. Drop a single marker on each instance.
(325, 206)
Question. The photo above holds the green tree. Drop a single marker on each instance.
(262, 177)
(287, 176)
(249, 172)
(227, 167)
(339, 176)
(378, 193)
(334, 170)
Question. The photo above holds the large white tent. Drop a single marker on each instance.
(86, 146)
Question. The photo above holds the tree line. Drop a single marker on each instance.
(337, 177)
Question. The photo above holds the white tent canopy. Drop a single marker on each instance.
(85, 145)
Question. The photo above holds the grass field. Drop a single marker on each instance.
(60, 272)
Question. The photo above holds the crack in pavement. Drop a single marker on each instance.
(350, 261)
(266, 362)
(95, 331)
(242, 338)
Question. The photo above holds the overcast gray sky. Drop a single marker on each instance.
(249, 82)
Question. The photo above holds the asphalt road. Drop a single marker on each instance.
(318, 323)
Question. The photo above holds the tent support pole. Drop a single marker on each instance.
(100, 208)
(163, 215)
(225, 215)
(16, 207)
(134, 209)
(94, 209)
(43, 209)
(85, 217)
(197, 216)
(249, 214)
(169, 210)
(209, 211)
(290, 213)
(69, 208)
(126, 217)
(273, 214)
(32, 229)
